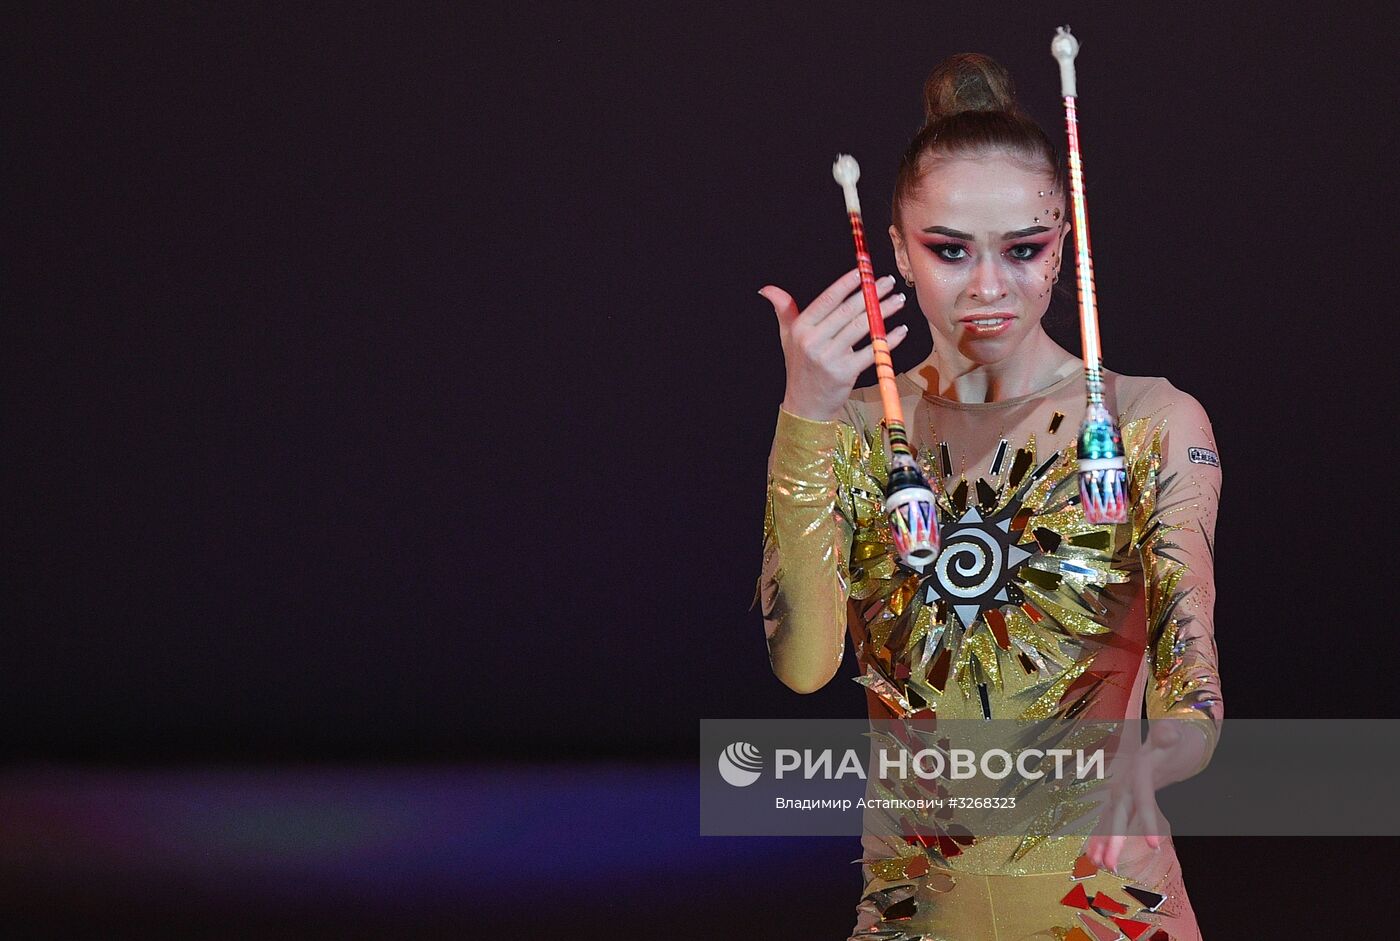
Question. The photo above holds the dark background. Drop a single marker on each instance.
(387, 386)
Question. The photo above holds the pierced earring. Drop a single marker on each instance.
(909, 281)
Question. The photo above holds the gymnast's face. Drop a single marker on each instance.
(982, 240)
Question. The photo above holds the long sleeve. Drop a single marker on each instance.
(805, 576)
(1175, 526)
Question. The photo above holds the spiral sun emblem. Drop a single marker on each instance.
(978, 560)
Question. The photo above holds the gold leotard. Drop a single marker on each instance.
(1078, 621)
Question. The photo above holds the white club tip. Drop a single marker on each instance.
(846, 170)
(1064, 47)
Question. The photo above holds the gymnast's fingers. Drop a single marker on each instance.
(853, 309)
(828, 300)
(1093, 849)
(859, 324)
(783, 305)
(1117, 834)
(1148, 810)
(864, 357)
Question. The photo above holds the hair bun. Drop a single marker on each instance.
(968, 81)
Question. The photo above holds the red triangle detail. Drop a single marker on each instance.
(1103, 901)
(1133, 929)
(1077, 898)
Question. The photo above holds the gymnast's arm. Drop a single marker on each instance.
(1178, 556)
(805, 576)
(807, 534)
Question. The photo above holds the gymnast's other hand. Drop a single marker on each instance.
(1129, 796)
(818, 343)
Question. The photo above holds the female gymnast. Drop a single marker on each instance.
(1030, 611)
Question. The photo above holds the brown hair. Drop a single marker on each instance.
(970, 108)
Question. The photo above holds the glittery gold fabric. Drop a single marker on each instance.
(1030, 613)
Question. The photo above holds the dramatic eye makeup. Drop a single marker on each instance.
(954, 251)
(1025, 251)
(949, 251)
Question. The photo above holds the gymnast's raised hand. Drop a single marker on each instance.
(819, 343)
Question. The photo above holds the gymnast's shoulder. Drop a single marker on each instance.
(1166, 406)
(1155, 398)
(865, 408)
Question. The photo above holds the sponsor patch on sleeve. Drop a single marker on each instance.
(1203, 456)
